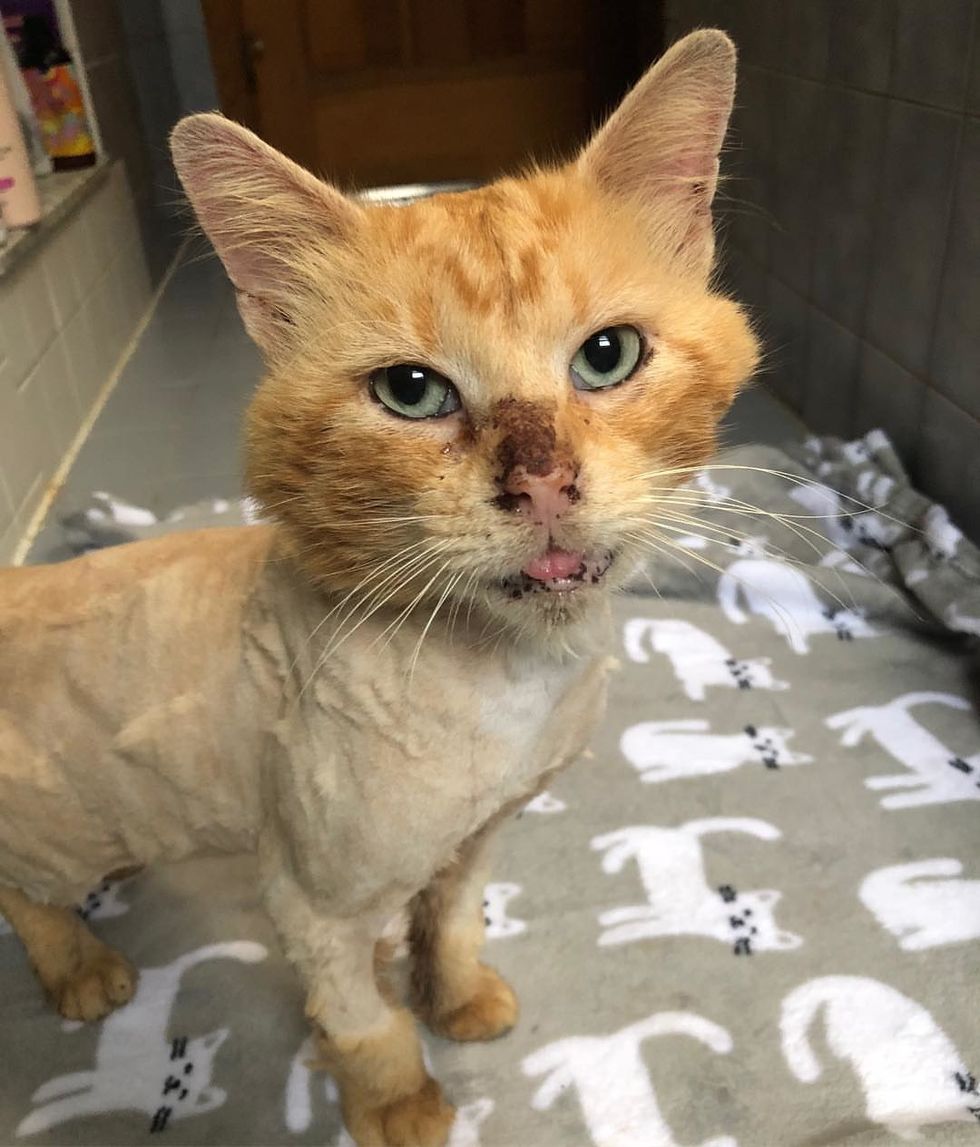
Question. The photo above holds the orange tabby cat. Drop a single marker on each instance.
(471, 404)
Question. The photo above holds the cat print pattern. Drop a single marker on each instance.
(715, 494)
(303, 1083)
(846, 522)
(926, 904)
(611, 1082)
(784, 596)
(680, 901)
(544, 803)
(139, 1065)
(936, 774)
(697, 658)
(102, 903)
(677, 750)
(910, 1072)
(496, 896)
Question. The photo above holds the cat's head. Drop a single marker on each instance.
(483, 394)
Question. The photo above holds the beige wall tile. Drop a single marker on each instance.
(27, 449)
(83, 358)
(27, 323)
(53, 375)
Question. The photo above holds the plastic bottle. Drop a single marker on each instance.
(19, 200)
(58, 104)
(17, 89)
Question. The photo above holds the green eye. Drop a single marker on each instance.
(413, 391)
(606, 358)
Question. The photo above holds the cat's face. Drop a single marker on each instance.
(478, 397)
(495, 291)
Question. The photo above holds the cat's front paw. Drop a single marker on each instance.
(489, 1013)
(101, 981)
(422, 1119)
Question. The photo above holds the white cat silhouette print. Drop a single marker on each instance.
(680, 902)
(961, 622)
(610, 1079)
(936, 774)
(843, 563)
(545, 803)
(910, 1072)
(675, 750)
(714, 492)
(299, 1106)
(697, 658)
(138, 1065)
(102, 903)
(925, 904)
(844, 521)
(498, 924)
(784, 596)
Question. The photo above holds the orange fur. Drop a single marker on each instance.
(260, 731)
(82, 977)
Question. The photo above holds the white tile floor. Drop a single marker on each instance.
(170, 433)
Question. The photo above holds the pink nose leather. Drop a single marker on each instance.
(541, 497)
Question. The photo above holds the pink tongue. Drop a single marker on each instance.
(554, 564)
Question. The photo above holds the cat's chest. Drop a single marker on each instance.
(513, 712)
(466, 730)
(405, 769)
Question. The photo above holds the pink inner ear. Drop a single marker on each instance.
(667, 133)
(260, 210)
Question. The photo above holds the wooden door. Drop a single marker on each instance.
(374, 92)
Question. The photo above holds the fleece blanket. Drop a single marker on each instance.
(751, 917)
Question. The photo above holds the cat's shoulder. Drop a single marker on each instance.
(208, 559)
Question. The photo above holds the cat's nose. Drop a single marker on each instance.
(541, 498)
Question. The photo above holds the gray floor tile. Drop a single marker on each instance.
(832, 368)
(955, 365)
(918, 169)
(844, 198)
(949, 460)
(759, 417)
(804, 39)
(973, 88)
(890, 398)
(861, 43)
(800, 129)
(932, 47)
(785, 336)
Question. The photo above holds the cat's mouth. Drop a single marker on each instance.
(558, 571)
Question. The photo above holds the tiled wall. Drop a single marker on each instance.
(66, 315)
(147, 64)
(854, 217)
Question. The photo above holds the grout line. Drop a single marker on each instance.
(57, 480)
(839, 85)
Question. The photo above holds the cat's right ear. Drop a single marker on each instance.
(659, 149)
(265, 215)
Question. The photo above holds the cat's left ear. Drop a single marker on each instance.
(660, 148)
(271, 222)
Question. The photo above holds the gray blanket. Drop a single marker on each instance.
(751, 917)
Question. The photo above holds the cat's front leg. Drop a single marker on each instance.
(370, 1046)
(455, 994)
